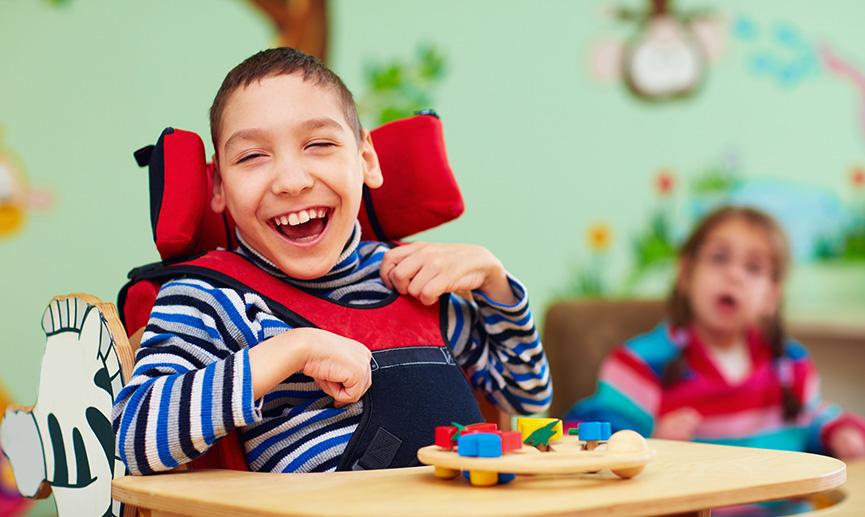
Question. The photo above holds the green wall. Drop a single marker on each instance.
(540, 149)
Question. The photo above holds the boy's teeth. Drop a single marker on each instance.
(301, 216)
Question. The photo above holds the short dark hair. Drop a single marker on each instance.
(281, 61)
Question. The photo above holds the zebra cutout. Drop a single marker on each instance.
(65, 444)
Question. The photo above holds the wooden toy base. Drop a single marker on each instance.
(626, 458)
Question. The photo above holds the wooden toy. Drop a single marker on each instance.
(479, 440)
(485, 460)
(593, 433)
(528, 425)
(540, 438)
(65, 443)
(481, 445)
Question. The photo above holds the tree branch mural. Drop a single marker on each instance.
(300, 24)
(845, 69)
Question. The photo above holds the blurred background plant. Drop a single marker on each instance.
(848, 245)
(396, 89)
(655, 245)
(587, 279)
(652, 251)
(714, 185)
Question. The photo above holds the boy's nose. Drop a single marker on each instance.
(292, 180)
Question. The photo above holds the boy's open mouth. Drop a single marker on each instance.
(302, 226)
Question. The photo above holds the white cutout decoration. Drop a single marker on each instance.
(65, 444)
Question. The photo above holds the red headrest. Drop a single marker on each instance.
(419, 190)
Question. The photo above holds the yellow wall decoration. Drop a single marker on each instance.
(16, 196)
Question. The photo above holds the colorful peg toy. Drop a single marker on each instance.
(482, 440)
(487, 456)
(593, 433)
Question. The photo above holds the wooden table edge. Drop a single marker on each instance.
(168, 504)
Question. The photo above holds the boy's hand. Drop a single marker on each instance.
(339, 365)
(680, 424)
(847, 442)
(429, 270)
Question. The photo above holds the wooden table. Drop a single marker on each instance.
(684, 477)
(850, 499)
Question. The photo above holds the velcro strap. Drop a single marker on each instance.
(380, 453)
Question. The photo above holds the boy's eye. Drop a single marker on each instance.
(248, 157)
(320, 144)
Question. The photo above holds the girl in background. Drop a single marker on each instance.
(721, 368)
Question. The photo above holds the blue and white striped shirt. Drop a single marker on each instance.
(192, 382)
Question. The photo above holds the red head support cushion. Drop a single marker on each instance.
(419, 190)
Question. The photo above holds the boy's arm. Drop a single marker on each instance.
(491, 332)
(202, 364)
(190, 385)
(499, 347)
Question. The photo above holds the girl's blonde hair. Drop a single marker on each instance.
(680, 313)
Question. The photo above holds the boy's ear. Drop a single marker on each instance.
(371, 168)
(217, 195)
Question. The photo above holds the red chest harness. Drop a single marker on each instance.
(416, 385)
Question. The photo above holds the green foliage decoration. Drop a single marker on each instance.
(398, 89)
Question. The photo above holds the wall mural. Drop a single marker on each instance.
(300, 24)
(397, 89)
(845, 70)
(826, 227)
(17, 198)
(783, 54)
(780, 53)
(11, 502)
(667, 57)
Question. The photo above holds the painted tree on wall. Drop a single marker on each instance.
(300, 24)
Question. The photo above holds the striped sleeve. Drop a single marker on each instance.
(820, 417)
(628, 394)
(192, 383)
(500, 349)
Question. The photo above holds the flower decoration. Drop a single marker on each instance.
(665, 182)
(857, 177)
(599, 237)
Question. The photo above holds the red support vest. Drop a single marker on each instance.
(416, 383)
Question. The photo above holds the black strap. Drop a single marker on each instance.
(142, 156)
(380, 453)
(373, 218)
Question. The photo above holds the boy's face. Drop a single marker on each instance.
(730, 285)
(291, 172)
